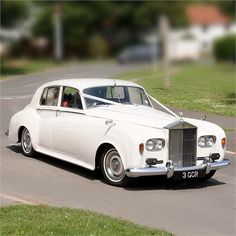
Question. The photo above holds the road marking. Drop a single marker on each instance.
(30, 84)
(7, 98)
(18, 97)
(69, 74)
(16, 199)
(230, 152)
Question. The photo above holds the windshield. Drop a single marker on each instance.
(119, 94)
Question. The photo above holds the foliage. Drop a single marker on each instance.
(198, 87)
(228, 7)
(224, 48)
(44, 220)
(98, 47)
(43, 26)
(117, 23)
(12, 12)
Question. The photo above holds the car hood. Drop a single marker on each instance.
(139, 115)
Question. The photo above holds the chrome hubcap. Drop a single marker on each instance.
(26, 141)
(113, 166)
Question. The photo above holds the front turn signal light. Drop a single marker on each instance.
(223, 142)
(141, 148)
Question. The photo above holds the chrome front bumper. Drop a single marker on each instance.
(169, 169)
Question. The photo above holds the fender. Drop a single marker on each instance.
(28, 119)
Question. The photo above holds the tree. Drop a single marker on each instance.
(12, 12)
(228, 7)
(224, 48)
(118, 23)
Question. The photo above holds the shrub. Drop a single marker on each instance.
(224, 48)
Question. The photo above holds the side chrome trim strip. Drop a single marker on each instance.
(61, 110)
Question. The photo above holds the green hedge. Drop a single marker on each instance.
(224, 48)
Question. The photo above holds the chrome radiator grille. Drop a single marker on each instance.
(182, 147)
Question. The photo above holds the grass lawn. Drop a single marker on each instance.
(198, 87)
(24, 66)
(44, 220)
(14, 67)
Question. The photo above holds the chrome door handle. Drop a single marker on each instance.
(58, 112)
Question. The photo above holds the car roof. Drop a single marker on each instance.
(83, 83)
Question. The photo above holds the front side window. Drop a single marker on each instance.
(50, 96)
(137, 96)
(71, 98)
(119, 94)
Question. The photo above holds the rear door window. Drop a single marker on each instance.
(50, 96)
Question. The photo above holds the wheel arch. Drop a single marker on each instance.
(27, 118)
(32, 135)
(121, 149)
(20, 130)
(100, 151)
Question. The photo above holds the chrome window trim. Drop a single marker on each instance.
(71, 110)
(81, 97)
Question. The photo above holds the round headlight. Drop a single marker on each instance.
(202, 141)
(210, 141)
(150, 145)
(159, 144)
(207, 141)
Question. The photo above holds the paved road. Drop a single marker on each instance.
(185, 209)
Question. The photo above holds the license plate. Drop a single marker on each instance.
(193, 174)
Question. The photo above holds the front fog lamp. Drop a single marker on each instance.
(155, 144)
(206, 141)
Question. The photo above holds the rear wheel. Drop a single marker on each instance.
(26, 143)
(113, 168)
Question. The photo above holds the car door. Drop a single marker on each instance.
(47, 113)
(66, 128)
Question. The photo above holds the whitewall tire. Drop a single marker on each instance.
(113, 168)
(26, 143)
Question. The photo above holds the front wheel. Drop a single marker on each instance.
(209, 175)
(113, 168)
(26, 143)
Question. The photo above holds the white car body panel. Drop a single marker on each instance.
(75, 135)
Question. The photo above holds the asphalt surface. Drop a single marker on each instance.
(196, 208)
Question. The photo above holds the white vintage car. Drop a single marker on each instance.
(113, 125)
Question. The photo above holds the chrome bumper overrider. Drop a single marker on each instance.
(169, 169)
